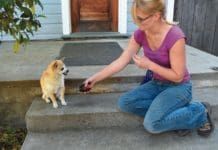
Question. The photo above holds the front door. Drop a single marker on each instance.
(94, 15)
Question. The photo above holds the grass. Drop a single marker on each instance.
(11, 138)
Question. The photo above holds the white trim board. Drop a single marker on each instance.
(170, 10)
(122, 16)
(66, 17)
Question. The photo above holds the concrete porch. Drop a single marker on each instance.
(68, 127)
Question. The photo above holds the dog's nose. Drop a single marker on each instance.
(67, 71)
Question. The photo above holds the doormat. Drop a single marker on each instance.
(84, 54)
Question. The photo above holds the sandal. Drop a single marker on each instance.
(208, 127)
(182, 132)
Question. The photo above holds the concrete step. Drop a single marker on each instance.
(82, 111)
(95, 35)
(94, 111)
(117, 139)
(125, 82)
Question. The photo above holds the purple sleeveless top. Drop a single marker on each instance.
(161, 55)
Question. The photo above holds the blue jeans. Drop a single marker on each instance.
(164, 106)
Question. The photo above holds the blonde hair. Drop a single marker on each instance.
(149, 7)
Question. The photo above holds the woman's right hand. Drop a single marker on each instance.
(90, 82)
(87, 84)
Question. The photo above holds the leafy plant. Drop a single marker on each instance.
(18, 18)
(11, 138)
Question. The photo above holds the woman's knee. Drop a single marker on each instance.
(127, 102)
(151, 127)
(122, 103)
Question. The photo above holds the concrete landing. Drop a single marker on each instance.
(96, 111)
(30, 62)
(118, 139)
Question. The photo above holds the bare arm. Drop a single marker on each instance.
(117, 65)
(177, 61)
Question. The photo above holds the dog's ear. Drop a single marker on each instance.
(55, 65)
(62, 58)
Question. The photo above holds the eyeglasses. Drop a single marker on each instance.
(143, 19)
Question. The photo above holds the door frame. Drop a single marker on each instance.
(122, 15)
(66, 16)
(113, 15)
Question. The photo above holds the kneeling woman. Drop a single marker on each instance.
(165, 100)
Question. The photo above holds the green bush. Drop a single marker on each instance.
(11, 138)
(18, 18)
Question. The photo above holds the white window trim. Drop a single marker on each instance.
(170, 10)
(66, 16)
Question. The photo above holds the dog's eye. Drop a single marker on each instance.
(62, 68)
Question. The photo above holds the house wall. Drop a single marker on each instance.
(199, 21)
(51, 25)
(131, 27)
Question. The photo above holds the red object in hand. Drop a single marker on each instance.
(82, 88)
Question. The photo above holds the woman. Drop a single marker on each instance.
(165, 101)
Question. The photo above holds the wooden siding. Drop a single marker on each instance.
(51, 25)
(199, 21)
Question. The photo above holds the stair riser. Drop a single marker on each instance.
(83, 121)
(87, 121)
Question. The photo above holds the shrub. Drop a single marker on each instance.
(11, 138)
(18, 18)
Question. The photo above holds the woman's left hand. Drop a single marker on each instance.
(142, 62)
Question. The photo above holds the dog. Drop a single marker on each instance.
(52, 82)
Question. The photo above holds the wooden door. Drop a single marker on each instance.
(114, 15)
(94, 15)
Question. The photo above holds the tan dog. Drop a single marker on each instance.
(52, 82)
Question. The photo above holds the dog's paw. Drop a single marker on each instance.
(64, 103)
(55, 105)
(43, 96)
(47, 101)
